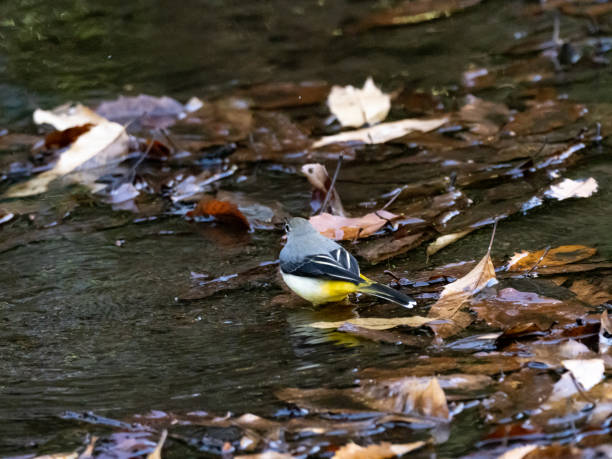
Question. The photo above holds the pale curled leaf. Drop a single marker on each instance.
(446, 240)
(156, 453)
(355, 107)
(319, 179)
(376, 323)
(380, 451)
(586, 372)
(455, 294)
(67, 116)
(569, 188)
(104, 143)
(383, 132)
(345, 228)
(518, 453)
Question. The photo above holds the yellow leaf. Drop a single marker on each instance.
(376, 323)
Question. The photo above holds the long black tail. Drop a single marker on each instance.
(386, 293)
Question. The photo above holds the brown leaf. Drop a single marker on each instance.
(381, 451)
(319, 179)
(61, 139)
(270, 96)
(456, 294)
(544, 117)
(344, 228)
(412, 12)
(407, 395)
(384, 336)
(216, 123)
(485, 118)
(263, 272)
(558, 256)
(223, 211)
(390, 246)
(511, 308)
(594, 291)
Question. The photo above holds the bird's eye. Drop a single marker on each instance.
(286, 228)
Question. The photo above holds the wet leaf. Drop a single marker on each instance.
(593, 291)
(446, 240)
(412, 12)
(271, 96)
(376, 323)
(544, 117)
(223, 211)
(380, 451)
(484, 118)
(456, 294)
(587, 373)
(557, 256)
(104, 143)
(390, 246)
(518, 452)
(383, 336)
(510, 308)
(319, 179)
(345, 228)
(265, 272)
(569, 188)
(215, 123)
(407, 395)
(266, 455)
(355, 107)
(61, 139)
(148, 111)
(383, 132)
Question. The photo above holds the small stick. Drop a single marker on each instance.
(394, 197)
(538, 262)
(331, 186)
(492, 237)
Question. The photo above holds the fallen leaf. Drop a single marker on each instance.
(380, 451)
(456, 294)
(345, 228)
(355, 107)
(511, 307)
(412, 12)
(215, 123)
(569, 188)
(270, 96)
(407, 395)
(156, 453)
(544, 117)
(390, 246)
(446, 240)
(587, 373)
(104, 143)
(383, 132)
(593, 291)
(61, 139)
(383, 336)
(266, 455)
(518, 452)
(223, 211)
(319, 179)
(376, 323)
(148, 111)
(557, 256)
(484, 118)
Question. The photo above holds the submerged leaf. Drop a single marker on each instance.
(558, 256)
(223, 211)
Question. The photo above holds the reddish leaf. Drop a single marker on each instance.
(223, 211)
(61, 139)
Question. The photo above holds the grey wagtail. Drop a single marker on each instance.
(322, 271)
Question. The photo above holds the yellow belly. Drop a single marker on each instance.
(318, 291)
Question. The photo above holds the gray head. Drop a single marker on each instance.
(298, 226)
(303, 240)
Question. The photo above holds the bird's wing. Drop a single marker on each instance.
(335, 265)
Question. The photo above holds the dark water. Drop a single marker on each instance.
(87, 325)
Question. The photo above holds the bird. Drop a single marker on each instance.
(322, 271)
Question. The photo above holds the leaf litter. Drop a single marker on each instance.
(525, 354)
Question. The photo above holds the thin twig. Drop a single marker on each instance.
(492, 237)
(172, 143)
(538, 262)
(394, 197)
(330, 190)
(581, 390)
